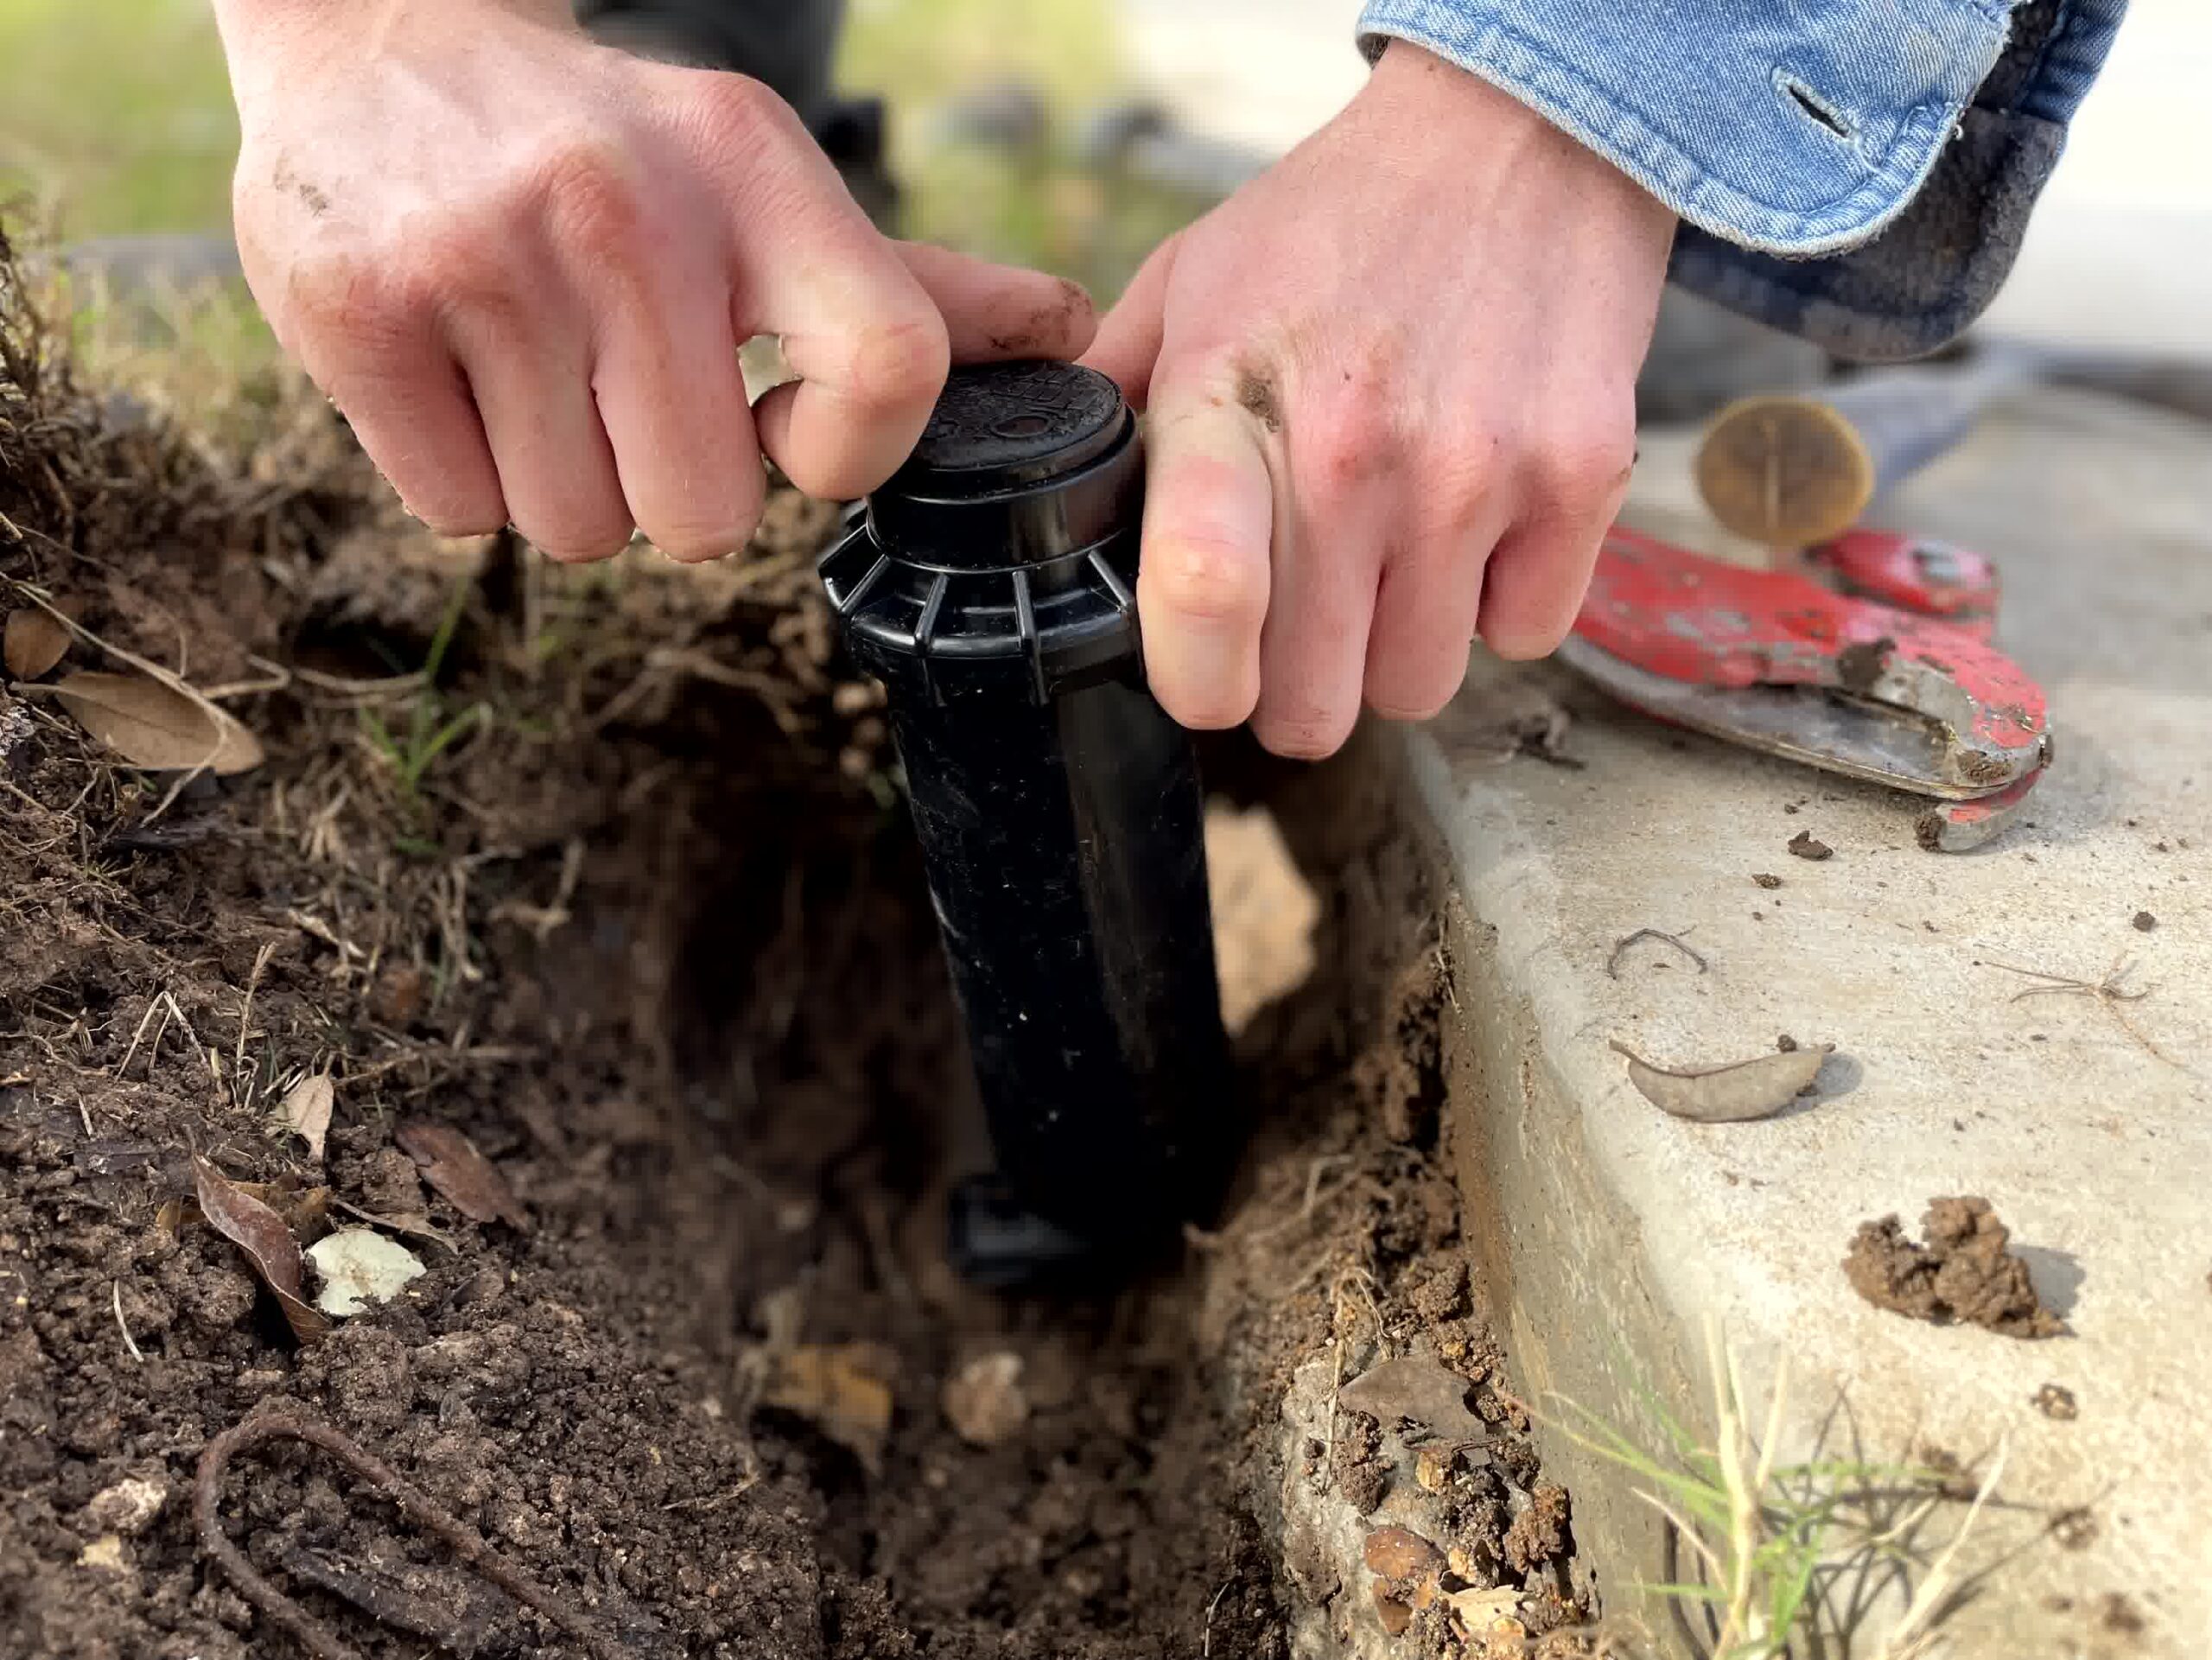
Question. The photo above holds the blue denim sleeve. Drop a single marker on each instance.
(1859, 172)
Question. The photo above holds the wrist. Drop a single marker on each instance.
(291, 32)
(1452, 115)
(279, 47)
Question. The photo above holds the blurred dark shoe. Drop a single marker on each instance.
(788, 45)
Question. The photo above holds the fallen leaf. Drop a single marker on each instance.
(154, 726)
(843, 1389)
(1479, 1610)
(450, 1163)
(1733, 1094)
(1416, 1388)
(984, 1401)
(359, 1266)
(268, 1244)
(304, 1211)
(33, 643)
(306, 1110)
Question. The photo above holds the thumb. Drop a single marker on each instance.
(994, 311)
(1202, 576)
(1128, 340)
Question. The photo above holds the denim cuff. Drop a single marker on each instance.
(1860, 172)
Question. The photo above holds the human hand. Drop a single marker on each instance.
(1391, 386)
(521, 263)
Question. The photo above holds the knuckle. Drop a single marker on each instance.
(1459, 482)
(734, 113)
(1584, 463)
(589, 200)
(1206, 576)
(895, 364)
(457, 267)
(343, 293)
(1347, 441)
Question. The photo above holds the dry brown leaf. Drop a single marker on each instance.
(1416, 1388)
(450, 1163)
(1732, 1093)
(268, 1244)
(33, 643)
(156, 727)
(306, 1110)
(305, 1210)
(842, 1389)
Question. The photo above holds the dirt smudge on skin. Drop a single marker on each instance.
(1050, 328)
(1258, 397)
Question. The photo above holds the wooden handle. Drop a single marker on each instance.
(1793, 469)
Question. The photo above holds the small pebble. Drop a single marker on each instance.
(2145, 922)
(2056, 1401)
(984, 1401)
(128, 1507)
(1401, 1554)
(1806, 847)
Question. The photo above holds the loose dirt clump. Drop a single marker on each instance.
(1963, 1272)
(589, 893)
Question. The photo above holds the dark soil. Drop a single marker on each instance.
(645, 924)
(1962, 1272)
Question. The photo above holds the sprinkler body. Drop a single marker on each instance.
(989, 586)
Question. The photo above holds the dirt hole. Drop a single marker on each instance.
(620, 887)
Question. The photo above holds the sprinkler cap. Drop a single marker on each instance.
(1003, 552)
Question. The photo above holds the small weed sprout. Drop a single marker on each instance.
(432, 726)
(1766, 1539)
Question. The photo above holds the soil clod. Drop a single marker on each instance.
(1962, 1272)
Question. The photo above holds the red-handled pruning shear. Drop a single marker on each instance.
(1888, 676)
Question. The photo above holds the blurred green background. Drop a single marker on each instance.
(117, 121)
